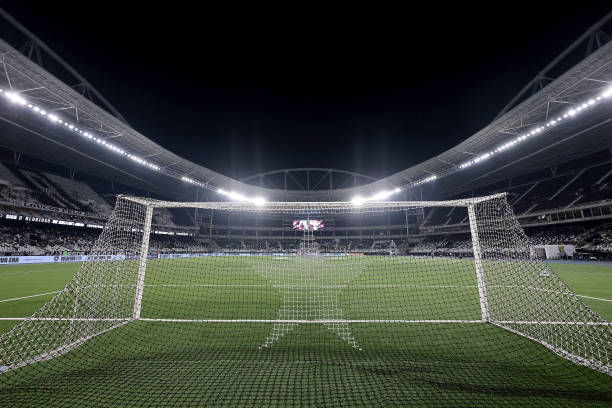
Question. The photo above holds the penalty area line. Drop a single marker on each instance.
(31, 296)
(366, 286)
(595, 298)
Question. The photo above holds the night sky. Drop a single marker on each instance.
(243, 91)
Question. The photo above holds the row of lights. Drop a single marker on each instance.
(425, 180)
(383, 195)
(358, 200)
(519, 139)
(19, 100)
(192, 181)
(258, 201)
(551, 123)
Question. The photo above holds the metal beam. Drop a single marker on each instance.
(542, 74)
(308, 169)
(38, 43)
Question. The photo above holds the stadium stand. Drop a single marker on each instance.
(42, 193)
(30, 239)
(567, 186)
(8, 179)
(82, 193)
(181, 216)
(162, 216)
(41, 239)
(39, 193)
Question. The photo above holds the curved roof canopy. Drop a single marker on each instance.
(31, 134)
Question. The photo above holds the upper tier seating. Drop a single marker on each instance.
(82, 193)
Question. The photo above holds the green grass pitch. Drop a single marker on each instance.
(191, 363)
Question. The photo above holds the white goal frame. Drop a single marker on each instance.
(469, 203)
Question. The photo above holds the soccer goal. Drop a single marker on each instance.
(309, 319)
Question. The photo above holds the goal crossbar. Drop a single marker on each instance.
(329, 206)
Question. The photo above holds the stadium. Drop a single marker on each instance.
(131, 275)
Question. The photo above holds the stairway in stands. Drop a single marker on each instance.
(48, 192)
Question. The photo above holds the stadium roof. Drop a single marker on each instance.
(119, 152)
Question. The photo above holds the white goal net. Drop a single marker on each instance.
(311, 320)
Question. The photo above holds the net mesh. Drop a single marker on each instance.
(310, 323)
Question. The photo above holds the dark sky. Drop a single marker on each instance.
(243, 91)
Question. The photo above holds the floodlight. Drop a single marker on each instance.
(258, 201)
(358, 200)
(15, 98)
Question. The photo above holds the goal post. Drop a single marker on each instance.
(477, 250)
(281, 298)
(142, 261)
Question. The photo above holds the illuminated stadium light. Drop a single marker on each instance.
(15, 98)
(571, 113)
(555, 121)
(358, 200)
(425, 180)
(380, 196)
(258, 201)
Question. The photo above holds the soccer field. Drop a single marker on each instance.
(283, 331)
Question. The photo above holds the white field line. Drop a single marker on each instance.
(2, 273)
(558, 323)
(587, 272)
(24, 272)
(67, 319)
(306, 321)
(229, 285)
(241, 320)
(373, 286)
(556, 292)
(313, 321)
(31, 296)
(211, 285)
(596, 298)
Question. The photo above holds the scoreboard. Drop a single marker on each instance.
(308, 225)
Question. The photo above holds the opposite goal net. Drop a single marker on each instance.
(311, 321)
